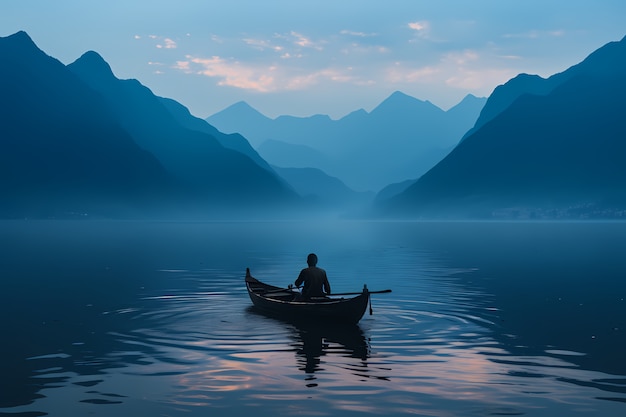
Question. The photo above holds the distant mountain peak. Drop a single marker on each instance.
(20, 36)
(240, 108)
(399, 101)
(92, 62)
(20, 41)
(399, 94)
(242, 105)
(469, 101)
(94, 58)
(402, 98)
(470, 97)
(542, 147)
(229, 119)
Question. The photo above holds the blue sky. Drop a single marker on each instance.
(310, 57)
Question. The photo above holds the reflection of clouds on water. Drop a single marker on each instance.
(206, 347)
(184, 341)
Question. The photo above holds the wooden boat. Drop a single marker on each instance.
(284, 303)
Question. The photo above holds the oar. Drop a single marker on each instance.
(370, 298)
(289, 289)
(359, 293)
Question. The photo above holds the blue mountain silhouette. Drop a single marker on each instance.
(185, 145)
(232, 141)
(61, 148)
(322, 191)
(401, 138)
(75, 138)
(553, 146)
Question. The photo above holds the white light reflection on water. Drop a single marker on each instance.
(437, 346)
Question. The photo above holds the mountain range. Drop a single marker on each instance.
(399, 139)
(324, 192)
(552, 147)
(76, 138)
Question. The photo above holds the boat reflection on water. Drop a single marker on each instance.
(314, 341)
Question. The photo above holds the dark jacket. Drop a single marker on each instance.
(315, 282)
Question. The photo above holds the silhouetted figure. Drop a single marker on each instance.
(315, 280)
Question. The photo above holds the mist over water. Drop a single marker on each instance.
(152, 318)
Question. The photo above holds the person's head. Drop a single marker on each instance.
(311, 260)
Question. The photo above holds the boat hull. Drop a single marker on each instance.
(282, 303)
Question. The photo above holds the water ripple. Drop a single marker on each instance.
(188, 343)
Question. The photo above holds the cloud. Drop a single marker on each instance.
(461, 58)
(158, 66)
(304, 81)
(167, 44)
(399, 74)
(418, 26)
(184, 66)
(297, 39)
(356, 48)
(264, 78)
(471, 79)
(536, 34)
(467, 70)
(288, 55)
(421, 28)
(230, 73)
(287, 45)
(162, 42)
(357, 34)
(294, 61)
(257, 43)
(302, 40)
(262, 44)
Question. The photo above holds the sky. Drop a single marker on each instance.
(302, 57)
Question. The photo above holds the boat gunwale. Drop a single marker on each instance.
(326, 301)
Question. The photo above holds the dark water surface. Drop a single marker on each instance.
(152, 318)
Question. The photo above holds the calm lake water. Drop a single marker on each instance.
(106, 318)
